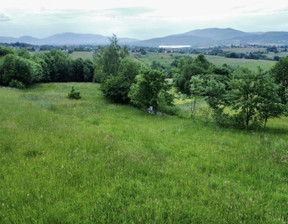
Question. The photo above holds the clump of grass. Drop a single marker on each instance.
(74, 95)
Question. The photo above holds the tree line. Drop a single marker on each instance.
(18, 68)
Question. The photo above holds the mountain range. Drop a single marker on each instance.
(195, 38)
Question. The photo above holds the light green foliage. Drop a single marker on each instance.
(146, 91)
(248, 95)
(90, 161)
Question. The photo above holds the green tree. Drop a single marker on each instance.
(19, 70)
(270, 105)
(24, 53)
(88, 70)
(117, 87)
(108, 59)
(244, 97)
(187, 68)
(150, 85)
(77, 70)
(6, 50)
(249, 96)
(280, 74)
(197, 89)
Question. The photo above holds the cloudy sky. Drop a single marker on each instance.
(138, 19)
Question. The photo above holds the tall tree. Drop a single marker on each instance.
(280, 73)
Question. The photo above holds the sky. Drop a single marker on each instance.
(138, 19)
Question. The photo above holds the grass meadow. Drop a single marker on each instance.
(92, 161)
(81, 54)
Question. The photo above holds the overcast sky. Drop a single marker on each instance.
(141, 19)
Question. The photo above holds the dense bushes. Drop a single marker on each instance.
(20, 69)
(150, 89)
(238, 98)
(19, 72)
(246, 99)
(124, 80)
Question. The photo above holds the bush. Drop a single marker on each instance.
(16, 84)
(74, 95)
(17, 68)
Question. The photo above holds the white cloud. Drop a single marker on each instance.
(140, 19)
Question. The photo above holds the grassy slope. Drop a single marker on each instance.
(88, 161)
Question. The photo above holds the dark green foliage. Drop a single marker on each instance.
(24, 53)
(117, 87)
(88, 71)
(280, 74)
(116, 71)
(77, 70)
(18, 69)
(187, 68)
(150, 89)
(74, 95)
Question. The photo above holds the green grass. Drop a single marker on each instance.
(91, 161)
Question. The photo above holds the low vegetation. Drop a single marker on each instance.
(84, 161)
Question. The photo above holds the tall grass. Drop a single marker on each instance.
(91, 161)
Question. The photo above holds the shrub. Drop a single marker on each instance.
(74, 95)
(16, 84)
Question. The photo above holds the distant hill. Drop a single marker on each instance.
(216, 33)
(271, 38)
(216, 36)
(66, 39)
(175, 40)
(195, 38)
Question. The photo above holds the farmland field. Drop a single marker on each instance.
(248, 63)
(91, 161)
(245, 49)
(167, 59)
(81, 54)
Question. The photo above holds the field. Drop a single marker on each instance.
(167, 59)
(91, 161)
(248, 63)
(244, 50)
(81, 54)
